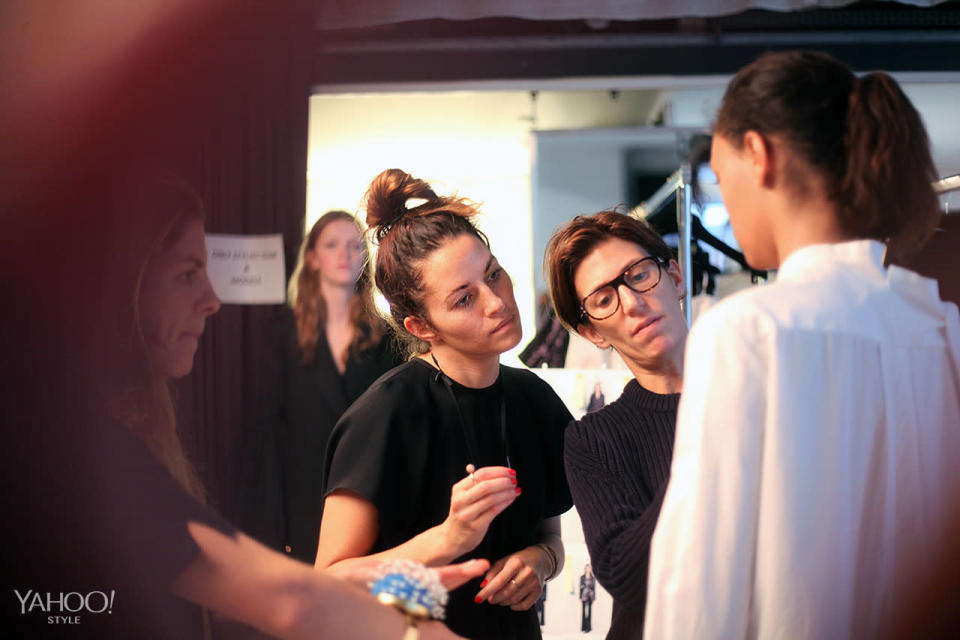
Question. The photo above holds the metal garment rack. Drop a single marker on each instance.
(678, 183)
(946, 185)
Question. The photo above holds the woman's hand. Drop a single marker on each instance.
(516, 580)
(474, 502)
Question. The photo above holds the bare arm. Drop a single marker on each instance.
(350, 524)
(239, 577)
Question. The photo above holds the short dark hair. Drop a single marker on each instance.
(572, 242)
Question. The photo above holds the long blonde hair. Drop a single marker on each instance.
(309, 306)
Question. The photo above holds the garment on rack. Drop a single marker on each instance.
(664, 222)
(815, 456)
(549, 344)
(940, 258)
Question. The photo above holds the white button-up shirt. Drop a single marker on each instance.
(818, 440)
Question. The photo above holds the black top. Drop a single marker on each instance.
(618, 464)
(101, 517)
(402, 447)
(303, 403)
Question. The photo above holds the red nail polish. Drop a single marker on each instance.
(478, 599)
(518, 490)
(513, 472)
(484, 583)
(514, 481)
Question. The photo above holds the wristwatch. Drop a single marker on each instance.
(412, 589)
(412, 611)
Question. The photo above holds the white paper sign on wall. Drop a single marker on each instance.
(246, 269)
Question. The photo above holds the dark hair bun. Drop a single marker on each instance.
(387, 197)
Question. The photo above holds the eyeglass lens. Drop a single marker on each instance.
(641, 276)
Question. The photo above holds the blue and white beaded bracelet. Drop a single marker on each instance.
(411, 587)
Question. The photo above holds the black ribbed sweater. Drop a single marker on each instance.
(618, 464)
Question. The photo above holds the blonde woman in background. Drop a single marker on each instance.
(326, 348)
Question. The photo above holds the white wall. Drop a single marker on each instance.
(583, 172)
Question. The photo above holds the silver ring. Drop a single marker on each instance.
(513, 582)
(474, 478)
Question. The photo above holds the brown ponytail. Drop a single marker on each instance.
(863, 137)
(886, 190)
(406, 235)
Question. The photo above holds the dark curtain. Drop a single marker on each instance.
(249, 165)
(212, 91)
(92, 96)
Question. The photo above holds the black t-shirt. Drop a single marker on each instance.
(402, 446)
(99, 517)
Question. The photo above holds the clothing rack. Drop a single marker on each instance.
(947, 185)
(678, 184)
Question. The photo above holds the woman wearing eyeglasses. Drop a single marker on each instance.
(614, 282)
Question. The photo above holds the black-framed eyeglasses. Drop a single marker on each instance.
(641, 276)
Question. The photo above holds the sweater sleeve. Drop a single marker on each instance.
(618, 520)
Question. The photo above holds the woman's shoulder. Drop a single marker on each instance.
(635, 408)
(596, 427)
(391, 412)
(536, 393)
(283, 317)
(399, 388)
(282, 326)
(385, 351)
(750, 312)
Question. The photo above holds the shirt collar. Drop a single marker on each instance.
(816, 257)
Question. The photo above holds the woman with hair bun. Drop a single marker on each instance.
(450, 455)
(817, 437)
(328, 347)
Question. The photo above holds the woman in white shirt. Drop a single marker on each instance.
(818, 432)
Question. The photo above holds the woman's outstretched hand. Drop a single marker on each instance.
(474, 502)
(516, 580)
